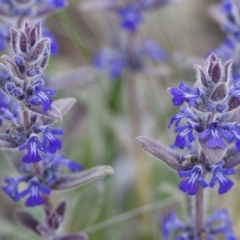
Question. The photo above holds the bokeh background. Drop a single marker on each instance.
(98, 130)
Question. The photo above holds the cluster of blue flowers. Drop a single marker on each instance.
(26, 106)
(40, 183)
(229, 48)
(218, 223)
(130, 54)
(13, 13)
(208, 121)
(130, 13)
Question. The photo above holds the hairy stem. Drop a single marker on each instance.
(36, 166)
(26, 118)
(199, 210)
(199, 203)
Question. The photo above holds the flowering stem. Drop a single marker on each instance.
(199, 209)
(199, 203)
(26, 118)
(48, 202)
(138, 156)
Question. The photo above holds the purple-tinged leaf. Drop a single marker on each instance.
(22, 41)
(55, 218)
(53, 112)
(6, 143)
(38, 51)
(11, 65)
(213, 154)
(201, 75)
(35, 34)
(233, 103)
(227, 71)
(27, 220)
(47, 211)
(44, 231)
(27, 28)
(232, 158)
(219, 93)
(216, 72)
(73, 236)
(64, 104)
(45, 57)
(61, 209)
(166, 154)
(14, 39)
(81, 178)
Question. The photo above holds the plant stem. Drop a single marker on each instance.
(26, 118)
(199, 204)
(36, 166)
(199, 208)
(138, 156)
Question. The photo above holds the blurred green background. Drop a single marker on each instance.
(98, 130)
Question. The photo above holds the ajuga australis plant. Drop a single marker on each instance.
(28, 115)
(208, 131)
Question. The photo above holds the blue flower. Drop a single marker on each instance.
(51, 174)
(216, 135)
(186, 131)
(130, 16)
(226, 50)
(56, 3)
(227, 6)
(9, 109)
(4, 36)
(11, 188)
(231, 26)
(111, 61)
(32, 145)
(184, 113)
(218, 174)
(71, 165)
(184, 93)
(50, 142)
(235, 91)
(235, 129)
(154, 51)
(34, 192)
(219, 215)
(195, 176)
(41, 95)
(220, 223)
(171, 223)
(54, 44)
(59, 160)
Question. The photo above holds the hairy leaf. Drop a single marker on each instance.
(213, 154)
(232, 158)
(166, 154)
(64, 104)
(22, 41)
(38, 51)
(53, 112)
(27, 220)
(6, 143)
(81, 178)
